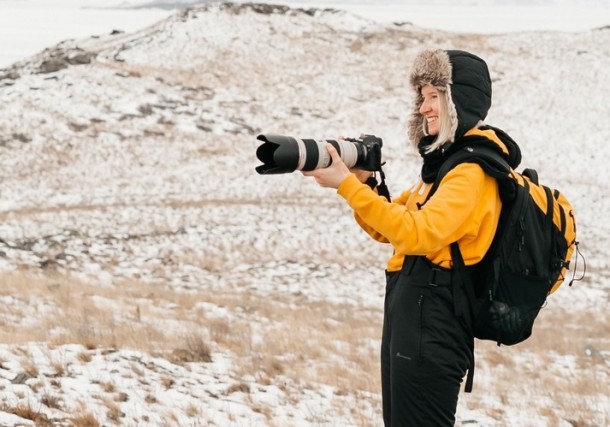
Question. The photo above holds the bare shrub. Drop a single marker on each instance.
(59, 368)
(36, 386)
(113, 412)
(52, 401)
(167, 382)
(199, 348)
(29, 367)
(238, 388)
(26, 411)
(85, 356)
(84, 419)
(108, 386)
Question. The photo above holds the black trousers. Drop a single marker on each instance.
(425, 349)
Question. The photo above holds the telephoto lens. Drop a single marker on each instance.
(285, 154)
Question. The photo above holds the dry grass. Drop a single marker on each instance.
(561, 370)
(26, 411)
(568, 332)
(113, 410)
(108, 386)
(85, 357)
(51, 400)
(84, 419)
(28, 366)
(304, 341)
(293, 338)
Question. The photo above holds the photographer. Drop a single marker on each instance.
(427, 343)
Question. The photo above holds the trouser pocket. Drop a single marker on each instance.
(405, 318)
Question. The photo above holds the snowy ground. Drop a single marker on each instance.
(151, 277)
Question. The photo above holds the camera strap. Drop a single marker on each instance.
(382, 188)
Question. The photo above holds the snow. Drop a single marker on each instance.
(151, 277)
(483, 17)
(25, 27)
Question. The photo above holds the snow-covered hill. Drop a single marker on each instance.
(153, 278)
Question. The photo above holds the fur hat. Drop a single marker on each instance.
(463, 76)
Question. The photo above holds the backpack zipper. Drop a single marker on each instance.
(521, 234)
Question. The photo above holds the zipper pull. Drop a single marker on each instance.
(522, 226)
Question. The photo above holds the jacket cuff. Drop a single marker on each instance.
(371, 182)
(349, 187)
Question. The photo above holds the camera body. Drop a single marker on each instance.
(285, 154)
(372, 147)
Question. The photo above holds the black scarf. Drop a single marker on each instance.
(434, 159)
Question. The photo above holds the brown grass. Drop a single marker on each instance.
(85, 419)
(28, 412)
(292, 338)
(85, 356)
(113, 410)
(198, 348)
(51, 400)
(284, 338)
(555, 364)
(29, 367)
(108, 386)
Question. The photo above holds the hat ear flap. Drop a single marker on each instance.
(416, 122)
(471, 89)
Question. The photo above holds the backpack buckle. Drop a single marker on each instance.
(439, 277)
(432, 277)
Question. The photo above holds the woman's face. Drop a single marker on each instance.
(430, 109)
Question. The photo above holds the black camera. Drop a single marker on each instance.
(285, 154)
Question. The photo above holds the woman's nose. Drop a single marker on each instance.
(424, 107)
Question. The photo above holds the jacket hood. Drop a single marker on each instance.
(465, 79)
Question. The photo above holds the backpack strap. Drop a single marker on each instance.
(465, 299)
(495, 166)
(463, 308)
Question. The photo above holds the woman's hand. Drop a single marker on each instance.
(333, 175)
(361, 174)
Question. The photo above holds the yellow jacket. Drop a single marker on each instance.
(465, 208)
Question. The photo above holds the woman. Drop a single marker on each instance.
(427, 345)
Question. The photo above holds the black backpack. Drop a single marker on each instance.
(501, 296)
(528, 258)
